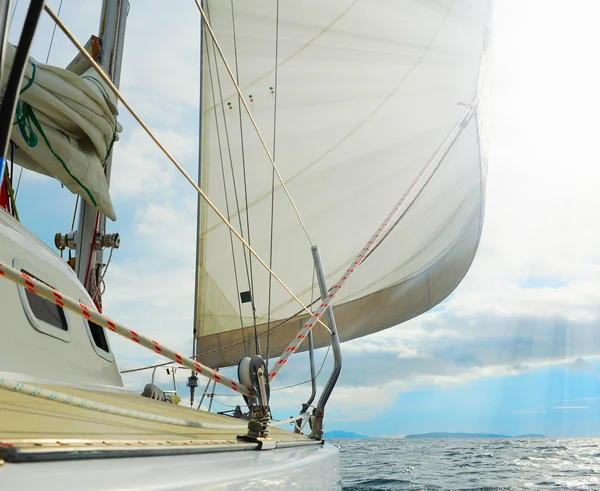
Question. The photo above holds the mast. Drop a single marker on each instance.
(92, 225)
(199, 240)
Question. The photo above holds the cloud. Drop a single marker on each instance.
(571, 407)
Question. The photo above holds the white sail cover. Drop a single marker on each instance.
(364, 94)
(65, 126)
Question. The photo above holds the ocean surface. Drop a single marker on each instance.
(457, 464)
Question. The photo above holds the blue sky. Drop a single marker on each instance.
(515, 349)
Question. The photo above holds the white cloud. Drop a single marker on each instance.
(571, 407)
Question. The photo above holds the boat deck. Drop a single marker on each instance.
(38, 427)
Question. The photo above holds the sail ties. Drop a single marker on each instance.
(50, 294)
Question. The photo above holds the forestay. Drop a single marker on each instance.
(65, 126)
(363, 96)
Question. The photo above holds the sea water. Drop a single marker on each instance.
(455, 464)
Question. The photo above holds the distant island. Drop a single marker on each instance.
(342, 434)
(471, 435)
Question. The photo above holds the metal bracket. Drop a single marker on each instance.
(102, 241)
(319, 412)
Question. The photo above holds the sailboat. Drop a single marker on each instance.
(341, 187)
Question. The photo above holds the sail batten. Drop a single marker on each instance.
(366, 93)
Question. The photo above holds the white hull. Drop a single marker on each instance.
(315, 467)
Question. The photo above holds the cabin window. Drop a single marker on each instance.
(46, 311)
(99, 336)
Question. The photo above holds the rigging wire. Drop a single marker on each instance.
(218, 132)
(47, 59)
(15, 77)
(286, 386)
(12, 17)
(272, 179)
(168, 154)
(252, 120)
(281, 323)
(196, 319)
(234, 182)
(53, 33)
(251, 274)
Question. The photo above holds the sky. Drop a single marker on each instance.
(515, 349)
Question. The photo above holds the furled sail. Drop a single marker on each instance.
(361, 97)
(65, 127)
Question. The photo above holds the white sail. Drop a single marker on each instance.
(365, 93)
(65, 126)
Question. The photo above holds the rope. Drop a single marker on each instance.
(252, 120)
(69, 400)
(359, 259)
(448, 143)
(289, 420)
(11, 194)
(98, 280)
(50, 294)
(168, 154)
(74, 213)
(27, 120)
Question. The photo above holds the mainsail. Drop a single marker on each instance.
(65, 127)
(359, 100)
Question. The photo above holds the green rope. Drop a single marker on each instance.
(26, 120)
(110, 146)
(11, 196)
(30, 83)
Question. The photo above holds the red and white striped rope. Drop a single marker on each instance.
(50, 294)
(297, 341)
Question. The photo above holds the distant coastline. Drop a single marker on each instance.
(350, 434)
(471, 435)
(343, 434)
